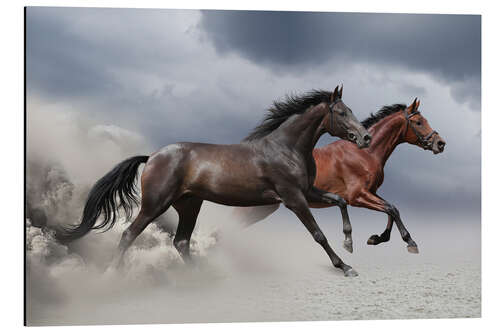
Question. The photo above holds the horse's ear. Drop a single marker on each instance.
(413, 105)
(417, 105)
(341, 90)
(335, 94)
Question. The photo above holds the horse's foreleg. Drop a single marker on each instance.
(318, 195)
(371, 201)
(385, 236)
(346, 228)
(297, 203)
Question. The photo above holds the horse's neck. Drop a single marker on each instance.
(386, 135)
(303, 132)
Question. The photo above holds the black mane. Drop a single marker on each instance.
(381, 114)
(282, 110)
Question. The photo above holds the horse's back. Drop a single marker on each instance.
(193, 155)
(226, 174)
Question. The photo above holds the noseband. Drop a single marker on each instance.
(423, 141)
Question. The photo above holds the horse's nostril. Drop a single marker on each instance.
(367, 138)
(441, 144)
(351, 136)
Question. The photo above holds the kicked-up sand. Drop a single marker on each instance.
(272, 271)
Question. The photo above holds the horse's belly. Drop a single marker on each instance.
(229, 180)
(319, 205)
(234, 190)
(239, 197)
(332, 184)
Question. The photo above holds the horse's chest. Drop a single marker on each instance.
(305, 175)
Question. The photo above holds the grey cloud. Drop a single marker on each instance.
(424, 196)
(448, 46)
(468, 91)
(147, 72)
(69, 63)
(58, 63)
(105, 84)
(80, 52)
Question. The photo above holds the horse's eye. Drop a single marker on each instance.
(342, 113)
(419, 123)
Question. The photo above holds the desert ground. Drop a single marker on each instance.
(272, 271)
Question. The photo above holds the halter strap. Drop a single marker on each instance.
(330, 108)
(422, 140)
(408, 116)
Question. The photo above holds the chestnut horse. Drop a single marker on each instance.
(275, 165)
(356, 174)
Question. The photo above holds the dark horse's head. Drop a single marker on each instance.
(343, 123)
(338, 119)
(419, 132)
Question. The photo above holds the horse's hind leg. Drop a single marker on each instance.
(346, 228)
(159, 189)
(188, 209)
(134, 229)
(371, 201)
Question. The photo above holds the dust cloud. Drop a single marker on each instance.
(272, 271)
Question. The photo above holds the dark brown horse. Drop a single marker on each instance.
(356, 174)
(274, 165)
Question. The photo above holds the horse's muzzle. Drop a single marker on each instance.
(360, 139)
(438, 145)
(364, 142)
(367, 138)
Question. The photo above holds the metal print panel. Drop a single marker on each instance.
(188, 166)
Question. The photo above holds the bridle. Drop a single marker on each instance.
(330, 108)
(423, 141)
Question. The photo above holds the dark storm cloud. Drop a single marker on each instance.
(57, 62)
(153, 72)
(448, 46)
(65, 60)
(67, 63)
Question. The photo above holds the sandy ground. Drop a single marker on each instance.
(265, 274)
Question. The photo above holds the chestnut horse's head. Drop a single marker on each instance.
(343, 123)
(419, 132)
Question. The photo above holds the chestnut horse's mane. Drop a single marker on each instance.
(381, 114)
(282, 110)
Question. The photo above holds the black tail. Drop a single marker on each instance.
(119, 182)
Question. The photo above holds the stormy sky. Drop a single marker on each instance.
(162, 76)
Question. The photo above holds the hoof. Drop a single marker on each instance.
(348, 246)
(412, 249)
(373, 240)
(350, 273)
